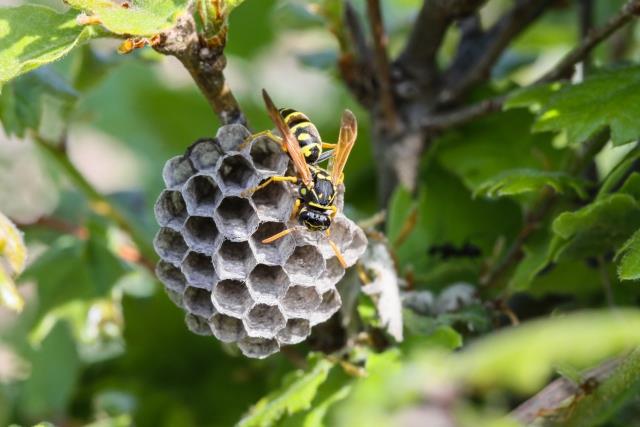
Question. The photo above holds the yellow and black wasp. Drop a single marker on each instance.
(316, 187)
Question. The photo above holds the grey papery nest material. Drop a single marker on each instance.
(213, 264)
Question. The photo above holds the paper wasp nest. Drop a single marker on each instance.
(213, 264)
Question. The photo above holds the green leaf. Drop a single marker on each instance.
(608, 99)
(13, 257)
(32, 36)
(501, 142)
(40, 101)
(142, 18)
(629, 255)
(401, 206)
(536, 258)
(534, 97)
(296, 394)
(518, 181)
(600, 226)
(55, 369)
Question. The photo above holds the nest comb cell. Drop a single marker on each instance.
(213, 262)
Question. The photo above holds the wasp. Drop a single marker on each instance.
(316, 187)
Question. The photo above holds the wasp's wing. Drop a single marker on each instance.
(291, 144)
(348, 133)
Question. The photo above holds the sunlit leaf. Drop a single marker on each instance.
(523, 357)
(605, 99)
(12, 248)
(140, 18)
(296, 394)
(33, 35)
(13, 257)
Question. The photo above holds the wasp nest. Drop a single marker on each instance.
(213, 264)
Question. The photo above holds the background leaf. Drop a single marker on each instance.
(518, 181)
(629, 264)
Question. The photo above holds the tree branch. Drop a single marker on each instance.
(477, 54)
(205, 61)
(385, 89)
(552, 398)
(418, 59)
(564, 68)
(356, 64)
(446, 120)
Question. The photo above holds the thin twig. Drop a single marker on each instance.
(382, 63)
(205, 61)
(100, 204)
(564, 68)
(446, 120)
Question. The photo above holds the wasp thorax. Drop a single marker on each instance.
(213, 262)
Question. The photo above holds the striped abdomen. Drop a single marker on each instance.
(305, 133)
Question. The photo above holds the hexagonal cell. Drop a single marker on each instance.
(204, 154)
(201, 195)
(175, 297)
(170, 245)
(236, 218)
(227, 328)
(305, 264)
(295, 331)
(331, 275)
(201, 233)
(234, 260)
(231, 297)
(230, 137)
(267, 283)
(176, 172)
(331, 303)
(275, 252)
(300, 300)
(258, 348)
(197, 325)
(267, 156)
(171, 276)
(274, 202)
(357, 246)
(170, 209)
(198, 269)
(236, 174)
(198, 302)
(264, 321)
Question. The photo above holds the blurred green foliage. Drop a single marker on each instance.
(99, 344)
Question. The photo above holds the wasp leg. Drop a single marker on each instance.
(268, 181)
(334, 212)
(296, 209)
(266, 133)
(278, 235)
(336, 250)
(328, 145)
